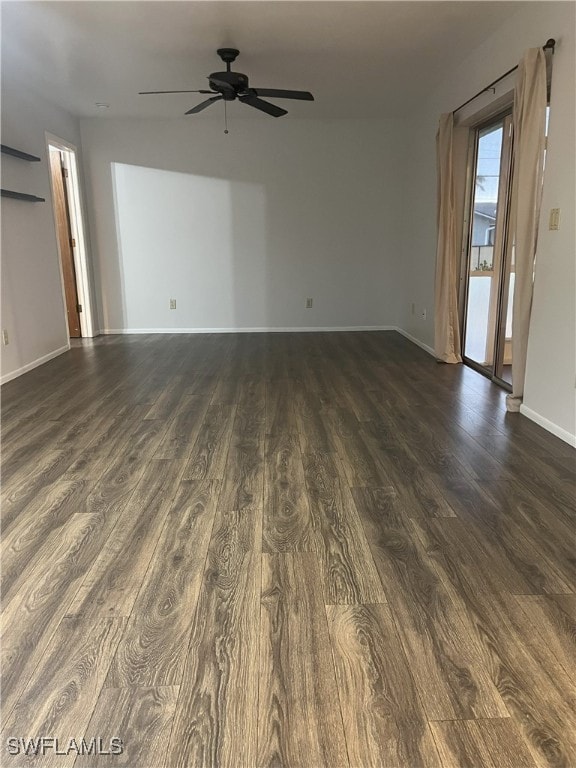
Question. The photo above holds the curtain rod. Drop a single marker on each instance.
(550, 44)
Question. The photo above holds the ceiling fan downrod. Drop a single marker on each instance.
(228, 55)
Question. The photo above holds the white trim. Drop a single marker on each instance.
(33, 364)
(548, 425)
(416, 341)
(112, 331)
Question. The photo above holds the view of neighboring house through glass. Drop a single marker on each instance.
(478, 345)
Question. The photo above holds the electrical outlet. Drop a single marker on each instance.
(5, 339)
(309, 303)
(172, 303)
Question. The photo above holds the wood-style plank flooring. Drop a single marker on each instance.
(299, 550)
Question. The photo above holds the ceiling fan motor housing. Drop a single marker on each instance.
(229, 84)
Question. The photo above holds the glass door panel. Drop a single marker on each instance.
(488, 316)
(482, 279)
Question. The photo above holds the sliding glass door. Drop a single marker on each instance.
(487, 337)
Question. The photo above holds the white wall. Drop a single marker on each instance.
(33, 309)
(241, 229)
(550, 393)
(551, 369)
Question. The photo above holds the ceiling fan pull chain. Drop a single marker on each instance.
(225, 118)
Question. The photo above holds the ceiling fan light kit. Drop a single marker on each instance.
(229, 86)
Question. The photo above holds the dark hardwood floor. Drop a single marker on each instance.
(305, 550)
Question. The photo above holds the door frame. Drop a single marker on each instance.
(77, 225)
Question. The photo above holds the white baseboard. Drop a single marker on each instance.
(416, 341)
(113, 331)
(550, 426)
(33, 364)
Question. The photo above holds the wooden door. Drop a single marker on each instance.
(65, 241)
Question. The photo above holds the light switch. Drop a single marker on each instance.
(554, 220)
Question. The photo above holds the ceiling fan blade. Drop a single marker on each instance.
(276, 93)
(147, 93)
(202, 105)
(263, 106)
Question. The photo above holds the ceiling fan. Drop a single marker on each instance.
(228, 86)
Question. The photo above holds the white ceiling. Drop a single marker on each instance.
(358, 58)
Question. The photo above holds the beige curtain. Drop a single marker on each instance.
(529, 121)
(446, 322)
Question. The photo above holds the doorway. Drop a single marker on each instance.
(487, 332)
(68, 221)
